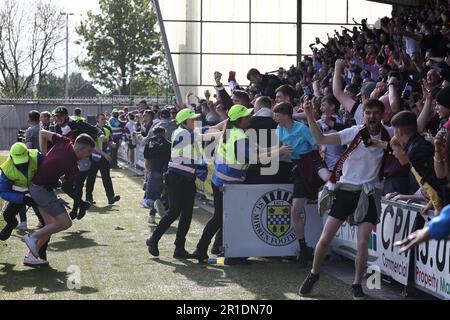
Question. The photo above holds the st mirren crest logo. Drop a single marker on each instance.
(271, 218)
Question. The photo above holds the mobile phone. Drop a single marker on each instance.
(366, 137)
(307, 93)
(407, 91)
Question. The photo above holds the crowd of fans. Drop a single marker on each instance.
(405, 64)
(388, 87)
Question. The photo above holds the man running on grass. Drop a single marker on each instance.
(358, 193)
(60, 163)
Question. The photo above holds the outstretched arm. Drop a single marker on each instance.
(319, 137)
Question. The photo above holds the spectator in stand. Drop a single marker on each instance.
(329, 119)
(266, 84)
(420, 155)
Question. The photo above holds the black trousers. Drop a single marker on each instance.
(114, 153)
(74, 188)
(105, 170)
(181, 192)
(214, 224)
(9, 215)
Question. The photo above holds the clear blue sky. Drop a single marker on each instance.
(80, 7)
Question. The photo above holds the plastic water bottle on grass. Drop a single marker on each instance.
(216, 261)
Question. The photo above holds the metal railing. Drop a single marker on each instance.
(115, 100)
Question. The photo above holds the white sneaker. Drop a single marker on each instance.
(22, 226)
(151, 219)
(144, 203)
(159, 207)
(31, 243)
(31, 261)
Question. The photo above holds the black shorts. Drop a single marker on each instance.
(346, 203)
(304, 188)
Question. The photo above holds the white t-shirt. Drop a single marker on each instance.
(363, 165)
(359, 115)
(412, 46)
(332, 152)
(131, 126)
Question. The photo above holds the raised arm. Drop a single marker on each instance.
(221, 92)
(424, 116)
(319, 137)
(345, 100)
(394, 96)
(316, 88)
(440, 166)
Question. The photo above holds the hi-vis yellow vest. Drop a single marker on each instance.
(21, 183)
(99, 139)
(228, 167)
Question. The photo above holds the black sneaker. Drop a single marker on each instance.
(90, 200)
(114, 200)
(73, 214)
(308, 284)
(153, 247)
(84, 206)
(200, 256)
(181, 253)
(358, 293)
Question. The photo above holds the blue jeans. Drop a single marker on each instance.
(154, 188)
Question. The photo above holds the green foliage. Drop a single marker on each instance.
(50, 86)
(122, 43)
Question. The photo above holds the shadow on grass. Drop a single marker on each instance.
(199, 273)
(103, 210)
(74, 240)
(281, 280)
(44, 280)
(172, 229)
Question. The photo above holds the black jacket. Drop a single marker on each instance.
(79, 127)
(157, 152)
(267, 123)
(420, 153)
(269, 84)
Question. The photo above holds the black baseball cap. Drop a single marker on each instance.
(60, 111)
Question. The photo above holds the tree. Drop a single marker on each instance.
(76, 81)
(29, 35)
(50, 86)
(122, 43)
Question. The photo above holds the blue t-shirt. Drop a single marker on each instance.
(299, 137)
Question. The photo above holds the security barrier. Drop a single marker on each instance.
(257, 224)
